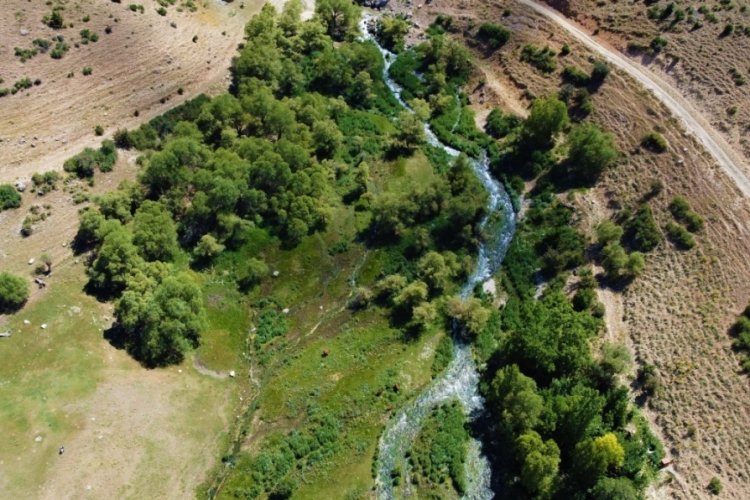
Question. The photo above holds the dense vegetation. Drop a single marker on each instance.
(309, 158)
(14, 291)
(741, 332)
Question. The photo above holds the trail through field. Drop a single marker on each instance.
(691, 118)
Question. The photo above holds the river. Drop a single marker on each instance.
(460, 381)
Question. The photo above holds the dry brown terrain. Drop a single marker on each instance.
(140, 67)
(697, 60)
(676, 316)
(128, 432)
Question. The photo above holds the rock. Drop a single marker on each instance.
(38, 438)
(31, 261)
(24, 32)
(20, 186)
(275, 274)
(285, 310)
(232, 373)
(26, 322)
(44, 326)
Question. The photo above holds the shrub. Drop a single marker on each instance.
(87, 71)
(599, 72)
(9, 197)
(715, 486)
(59, 51)
(575, 76)
(680, 236)
(654, 141)
(14, 291)
(55, 19)
(658, 44)
(499, 125)
(683, 213)
(492, 35)
(642, 230)
(541, 59)
(83, 164)
(99, 130)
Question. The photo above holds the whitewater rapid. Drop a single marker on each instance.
(460, 381)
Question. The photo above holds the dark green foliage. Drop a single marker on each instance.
(654, 141)
(599, 72)
(575, 76)
(14, 291)
(85, 163)
(658, 44)
(271, 323)
(154, 232)
(590, 152)
(59, 50)
(161, 323)
(547, 118)
(714, 486)
(443, 355)
(499, 125)
(680, 236)
(641, 230)
(492, 35)
(681, 211)
(439, 451)
(391, 32)
(741, 332)
(339, 16)
(55, 19)
(9, 197)
(542, 59)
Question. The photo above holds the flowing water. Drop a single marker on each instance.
(460, 381)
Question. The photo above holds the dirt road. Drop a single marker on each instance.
(692, 120)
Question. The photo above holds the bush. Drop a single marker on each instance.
(599, 72)
(541, 59)
(715, 486)
(499, 125)
(658, 44)
(492, 35)
(87, 71)
(84, 164)
(654, 141)
(14, 291)
(642, 230)
(99, 130)
(681, 211)
(577, 77)
(680, 236)
(9, 197)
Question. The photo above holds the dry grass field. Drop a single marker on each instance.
(128, 432)
(140, 66)
(677, 314)
(700, 59)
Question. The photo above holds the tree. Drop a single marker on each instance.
(115, 260)
(163, 324)
(339, 17)
(251, 272)
(611, 488)
(592, 458)
(515, 399)
(9, 197)
(410, 132)
(493, 35)
(591, 151)
(548, 117)
(469, 312)
(539, 464)
(391, 32)
(607, 231)
(14, 291)
(327, 138)
(154, 232)
(208, 247)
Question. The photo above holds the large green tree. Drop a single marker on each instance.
(591, 151)
(547, 118)
(339, 16)
(162, 324)
(515, 399)
(154, 232)
(539, 464)
(14, 291)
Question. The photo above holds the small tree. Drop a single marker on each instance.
(14, 291)
(9, 197)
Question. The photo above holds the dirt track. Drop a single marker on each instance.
(693, 121)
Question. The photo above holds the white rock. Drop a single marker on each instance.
(26, 322)
(285, 310)
(24, 32)
(44, 326)
(20, 186)
(232, 373)
(275, 274)
(31, 260)
(38, 439)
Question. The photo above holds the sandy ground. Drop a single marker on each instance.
(145, 60)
